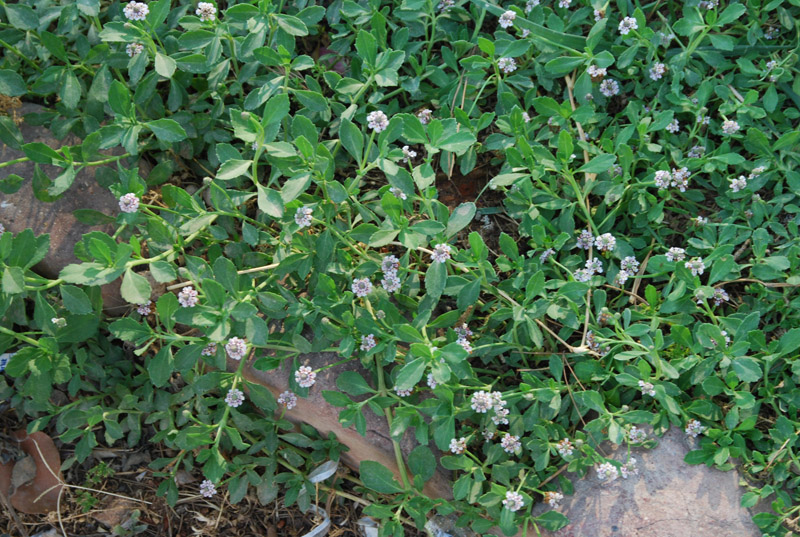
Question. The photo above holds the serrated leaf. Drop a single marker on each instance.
(135, 288)
(377, 477)
(167, 130)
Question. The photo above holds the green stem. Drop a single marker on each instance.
(398, 454)
(26, 339)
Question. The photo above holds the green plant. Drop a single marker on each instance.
(631, 257)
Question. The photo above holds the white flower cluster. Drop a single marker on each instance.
(303, 216)
(441, 253)
(389, 267)
(305, 376)
(377, 121)
(679, 178)
(236, 348)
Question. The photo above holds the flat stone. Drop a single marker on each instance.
(22, 210)
(668, 498)
(317, 412)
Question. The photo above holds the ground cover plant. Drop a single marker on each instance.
(537, 225)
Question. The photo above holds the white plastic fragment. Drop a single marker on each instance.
(323, 527)
(323, 471)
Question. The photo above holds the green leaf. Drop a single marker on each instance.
(460, 218)
(270, 202)
(353, 383)
(291, 25)
(11, 84)
(352, 139)
(233, 169)
(167, 130)
(9, 134)
(161, 367)
(367, 47)
(789, 139)
(75, 300)
(563, 65)
(165, 66)
(789, 342)
(119, 98)
(457, 142)
(435, 279)
(377, 477)
(21, 16)
(135, 288)
(407, 333)
(747, 369)
(53, 44)
(730, 14)
(598, 164)
(422, 462)
(410, 374)
(70, 92)
(13, 280)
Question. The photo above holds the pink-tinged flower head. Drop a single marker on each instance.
(206, 11)
(187, 297)
(481, 402)
(209, 350)
(397, 193)
(408, 153)
(136, 11)
(431, 381)
(663, 179)
(236, 348)
(377, 121)
(694, 428)
(288, 400)
(425, 116)
(402, 393)
(552, 498)
(303, 216)
(305, 376)
(627, 24)
(507, 65)
(605, 242)
(128, 203)
(730, 127)
(680, 178)
(739, 183)
(391, 282)
(506, 20)
(594, 266)
(565, 447)
(607, 472)
(530, 4)
(390, 264)
(720, 296)
(657, 71)
(441, 253)
(207, 489)
(674, 126)
(676, 254)
(144, 309)
(132, 49)
(510, 443)
(647, 388)
(235, 398)
(696, 266)
(597, 73)
(629, 468)
(585, 239)
(513, 501)
(361, 287)
(368, 342)
(636, 435)
(629, 264)
(458, 446)
(609, 87)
